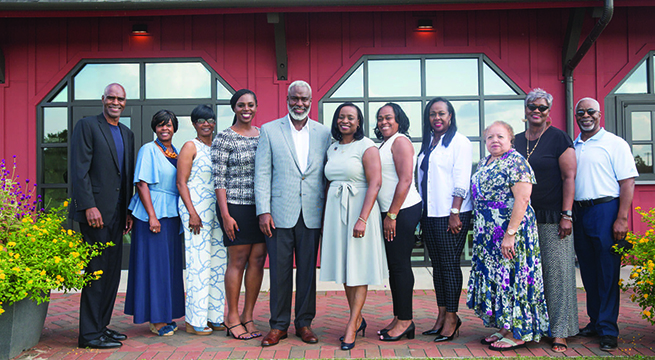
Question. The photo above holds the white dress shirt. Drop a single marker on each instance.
(301, 142)
(449, 172)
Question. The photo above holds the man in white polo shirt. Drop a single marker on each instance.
(604, 187)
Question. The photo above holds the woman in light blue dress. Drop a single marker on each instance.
(155, 288)
(352, 252)
(206, 257)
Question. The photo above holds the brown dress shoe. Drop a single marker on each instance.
(273, 337)
(307, 335)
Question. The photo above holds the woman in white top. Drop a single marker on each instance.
(400, 205)
(444, 177)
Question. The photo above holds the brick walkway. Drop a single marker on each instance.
(59, 338)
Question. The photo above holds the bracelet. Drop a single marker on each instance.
(566, 217)
(362, 219)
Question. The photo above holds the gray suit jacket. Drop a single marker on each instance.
(280, 188)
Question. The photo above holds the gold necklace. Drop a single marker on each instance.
(527, 146)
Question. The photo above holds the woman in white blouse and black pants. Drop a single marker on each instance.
(400, 205)
(444, 177)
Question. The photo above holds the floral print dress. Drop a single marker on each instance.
(506, 293)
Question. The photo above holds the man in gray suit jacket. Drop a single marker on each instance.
(289, 194)
(102, 170)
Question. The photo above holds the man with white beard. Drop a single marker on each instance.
(604, 187)
(289, 195)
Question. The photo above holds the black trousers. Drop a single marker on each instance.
(282, 246)
(98, 298)
(399, 254)
(445, 250)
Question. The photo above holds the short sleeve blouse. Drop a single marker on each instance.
(546, 195)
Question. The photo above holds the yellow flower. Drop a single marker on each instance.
(70, 244)
(57, 259)
(70, 232)
(2, 276)
(11, 244)
(645, 296)
(16, 268)
(2, 311)
(647, 313)
(29, 282)
(27, 269)
(620, 282)
(54, 241)
(16, 256)
(66, 204)
(42, 272)
(98, 272)
(637, 208)
(75, 254)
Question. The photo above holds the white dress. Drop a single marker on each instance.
(206, 257)
(345, 259)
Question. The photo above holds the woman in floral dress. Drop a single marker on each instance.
(506, 287)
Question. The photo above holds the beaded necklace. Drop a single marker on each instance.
(168, 153)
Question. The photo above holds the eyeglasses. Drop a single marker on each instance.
(202, 121)
(534, 107)
(590, 111)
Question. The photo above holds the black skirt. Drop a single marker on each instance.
(248, 223)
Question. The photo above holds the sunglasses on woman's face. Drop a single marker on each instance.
(202, 121)
(590, 111)
(534, 107)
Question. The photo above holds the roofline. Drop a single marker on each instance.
(109, 8)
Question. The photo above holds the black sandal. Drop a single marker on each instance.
(229, 331)
(252, 334)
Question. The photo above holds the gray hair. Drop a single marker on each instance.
(507, 126)
(538, 93)
(588, 99)
(300, 83)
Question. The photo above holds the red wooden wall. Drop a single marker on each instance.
(525, 44)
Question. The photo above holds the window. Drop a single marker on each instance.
(177, 85)
(630, 113)
(479, 91)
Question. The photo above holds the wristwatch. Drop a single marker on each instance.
(392, 216)
(511, 232)
(567, 213)
(454, 211)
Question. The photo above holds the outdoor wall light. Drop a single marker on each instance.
(140, 29)
(424, 25)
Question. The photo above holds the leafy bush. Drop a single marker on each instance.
(642, 276)
(37, 254)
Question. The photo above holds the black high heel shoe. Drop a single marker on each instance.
(442, 338)
(362, 328)
(410, 332)
(348, 346)
(433, 331)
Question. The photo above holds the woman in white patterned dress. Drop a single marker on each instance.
(206, 257)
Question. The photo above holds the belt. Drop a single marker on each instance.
(592, 202)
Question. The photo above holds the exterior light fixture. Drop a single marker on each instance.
(140, 29)
(424, 25)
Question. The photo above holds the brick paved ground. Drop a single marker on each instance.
(59, 338)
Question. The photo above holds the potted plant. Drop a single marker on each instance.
(642, 275)
(37, 255)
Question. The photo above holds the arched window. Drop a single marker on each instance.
(175, 84)
(479, 91)
(630, 113)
